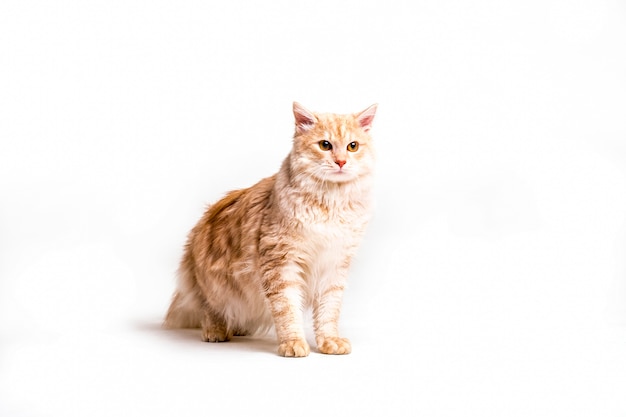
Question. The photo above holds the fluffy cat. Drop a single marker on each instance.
(261, 255)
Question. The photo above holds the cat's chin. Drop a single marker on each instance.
(340, 177)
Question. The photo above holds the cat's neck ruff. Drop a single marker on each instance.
(312, 200)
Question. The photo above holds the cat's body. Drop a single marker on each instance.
(261, 255)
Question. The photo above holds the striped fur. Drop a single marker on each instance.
(261, 255)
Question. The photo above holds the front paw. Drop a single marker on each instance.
(297, 348)
(334, 345)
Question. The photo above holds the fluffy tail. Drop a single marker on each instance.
(186, 308)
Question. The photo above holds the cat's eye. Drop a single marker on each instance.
(353, 146)
(325, 145)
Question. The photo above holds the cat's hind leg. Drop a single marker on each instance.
(241, 332)
(214, 326)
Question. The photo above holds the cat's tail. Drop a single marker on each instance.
(186, 308)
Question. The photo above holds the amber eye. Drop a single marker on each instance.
(353, 146)
(325, 145)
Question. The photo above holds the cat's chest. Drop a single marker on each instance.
(327, 231)
(332, 232)
(330, 220)
(325, 246)
(334, 223)
(333, 210)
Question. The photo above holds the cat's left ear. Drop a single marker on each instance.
(366, 117)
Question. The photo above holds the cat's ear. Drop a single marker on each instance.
(366, 117)
(304, 118)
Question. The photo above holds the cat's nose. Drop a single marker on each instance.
(340, 163)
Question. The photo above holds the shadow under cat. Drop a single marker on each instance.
(191, 339)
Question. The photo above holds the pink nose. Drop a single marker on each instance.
(340, 163)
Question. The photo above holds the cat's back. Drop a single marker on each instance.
(226, 224)
(239, 202)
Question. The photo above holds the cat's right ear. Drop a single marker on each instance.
(304, 118)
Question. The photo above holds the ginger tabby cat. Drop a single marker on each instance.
(262, 255)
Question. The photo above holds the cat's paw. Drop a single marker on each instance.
(334, 345)
(297, 348)
(215, 336)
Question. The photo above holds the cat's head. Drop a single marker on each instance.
(333, 147)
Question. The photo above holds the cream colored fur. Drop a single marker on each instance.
(260, 256)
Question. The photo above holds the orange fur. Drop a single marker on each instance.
(260, 255)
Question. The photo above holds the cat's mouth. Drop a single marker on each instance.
(327, 173)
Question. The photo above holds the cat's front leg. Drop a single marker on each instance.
(284, 293)
(326, 309)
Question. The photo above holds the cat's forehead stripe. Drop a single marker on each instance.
(338, 129)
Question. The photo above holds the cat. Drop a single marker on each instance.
(260, 256)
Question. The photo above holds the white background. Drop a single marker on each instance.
(492, 281)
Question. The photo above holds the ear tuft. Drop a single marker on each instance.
(305, 119)
(366, 117)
